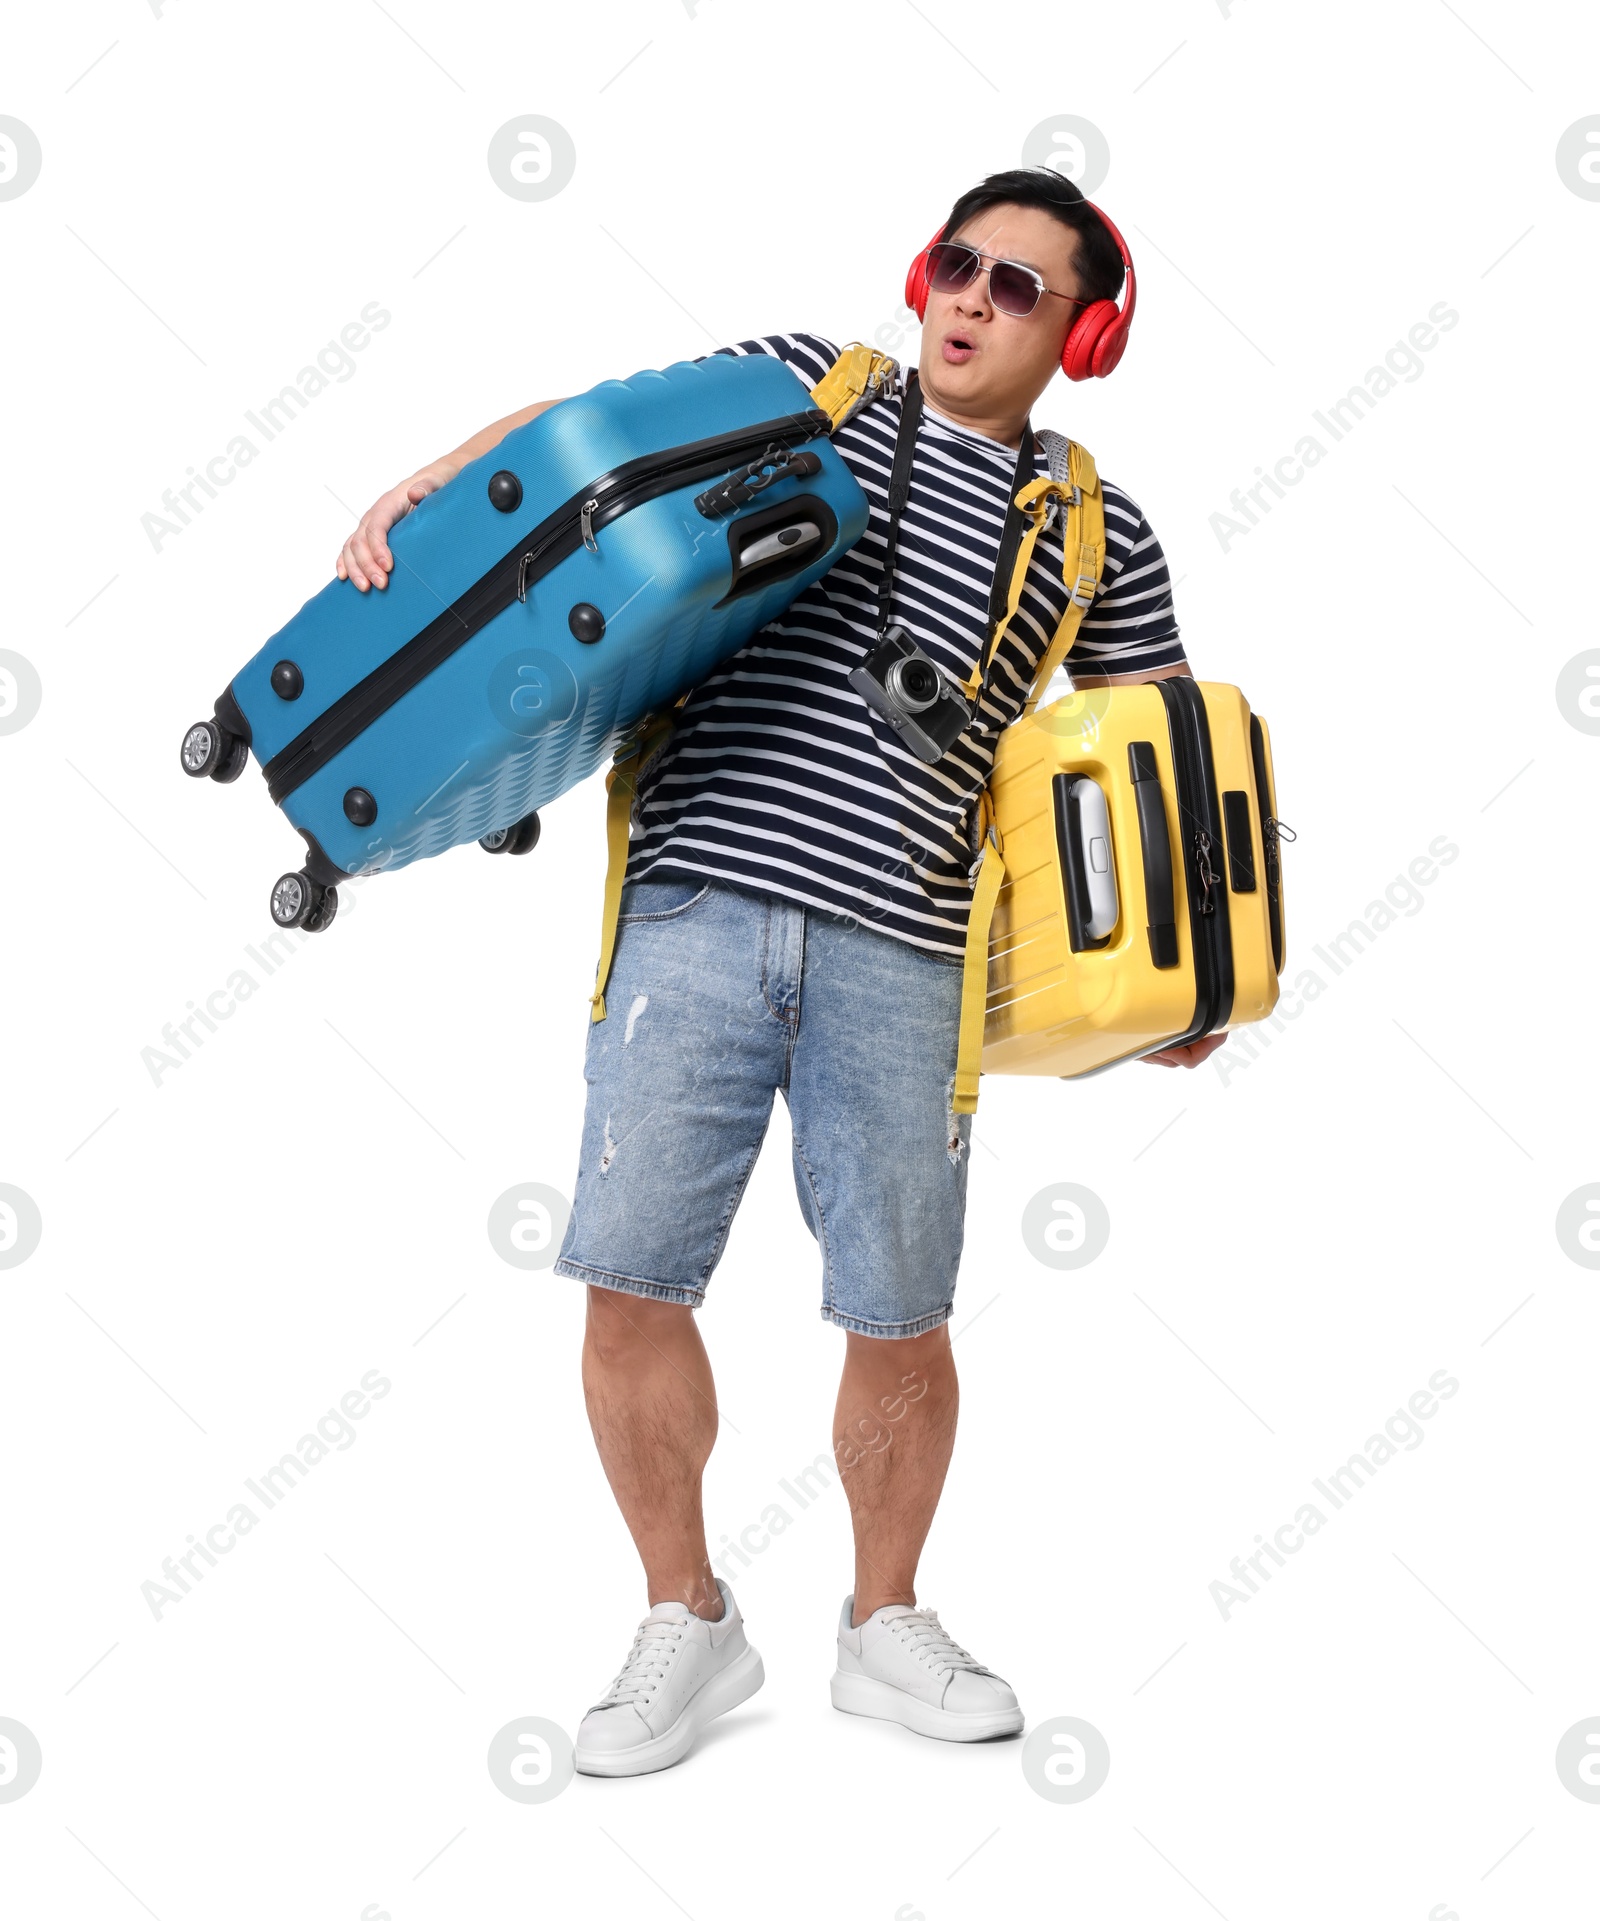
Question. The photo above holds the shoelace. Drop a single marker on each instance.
(930, 1641)
(648, 1659)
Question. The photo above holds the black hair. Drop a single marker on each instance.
(1098, 258)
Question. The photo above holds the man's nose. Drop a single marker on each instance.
(973, 298)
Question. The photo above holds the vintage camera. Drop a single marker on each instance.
(899, 681)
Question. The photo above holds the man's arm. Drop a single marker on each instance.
(365, 557)
(1179, 669)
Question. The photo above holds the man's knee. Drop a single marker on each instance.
(625, 1327)
(898, 1353)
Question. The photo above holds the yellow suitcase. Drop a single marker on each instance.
(1141, 898)
(1060, 977)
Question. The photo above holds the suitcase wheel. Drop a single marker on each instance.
(299, 901)
(521, 838)
(210, 752)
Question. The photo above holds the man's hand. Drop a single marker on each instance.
(365, 557)
(1190, 1056)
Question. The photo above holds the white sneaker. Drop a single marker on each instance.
(681, 1672)
(901, 1665)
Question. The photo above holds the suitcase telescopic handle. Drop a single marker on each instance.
(1090, 871)
(1156, 849)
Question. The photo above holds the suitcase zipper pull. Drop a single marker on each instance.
(1272, 832)
(586, 525)
(1208, 879)
(522, 575)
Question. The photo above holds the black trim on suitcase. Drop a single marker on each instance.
(1266, 801)
(230, 715)
(1241, 847)
(543, 547)
(1200, 834)
(324, 872)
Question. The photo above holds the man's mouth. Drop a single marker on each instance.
(958, 347)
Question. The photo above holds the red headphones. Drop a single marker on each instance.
(1095, 340)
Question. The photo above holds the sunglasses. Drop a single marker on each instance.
(1014, 289)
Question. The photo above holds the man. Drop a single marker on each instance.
(793, 918)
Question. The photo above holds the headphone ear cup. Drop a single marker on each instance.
(917, 284)
(1097, 339)
(1094, 342)
(917, 278)
(1109, 348)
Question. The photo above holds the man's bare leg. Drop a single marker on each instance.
(894, 1428)
(653, 1409)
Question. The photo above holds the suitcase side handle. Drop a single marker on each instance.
(740, 488)
(1156, 849)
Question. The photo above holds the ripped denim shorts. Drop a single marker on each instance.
(720, 997)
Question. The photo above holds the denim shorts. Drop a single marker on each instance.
(719, 997)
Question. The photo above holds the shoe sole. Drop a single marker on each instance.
(722, 1692)
(860, 1694)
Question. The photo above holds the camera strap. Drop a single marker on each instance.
(1017, 522)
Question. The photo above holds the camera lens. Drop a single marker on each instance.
(913, 683)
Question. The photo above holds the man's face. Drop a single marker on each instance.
(979, 362)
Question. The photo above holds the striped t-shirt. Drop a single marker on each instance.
(778, 775)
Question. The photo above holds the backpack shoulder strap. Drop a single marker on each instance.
(621, 788)
(860, 374)
(1073, 484)
(988, 876)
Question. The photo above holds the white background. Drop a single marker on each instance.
(1294, 1248)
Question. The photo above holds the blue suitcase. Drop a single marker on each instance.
(576, 578)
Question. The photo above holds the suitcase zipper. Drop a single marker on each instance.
(572, 524)
(1200, 832)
